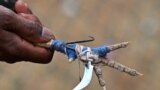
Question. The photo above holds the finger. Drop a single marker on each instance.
(8, 58)
(29, 30)
(23, 10)
(16, 47)
(22, 7)
(30, 17)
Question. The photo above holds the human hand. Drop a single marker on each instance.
(19, 32)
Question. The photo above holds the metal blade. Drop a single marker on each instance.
(86, 78)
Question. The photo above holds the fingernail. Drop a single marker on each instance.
(47, 34)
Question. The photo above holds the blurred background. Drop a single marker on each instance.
(110, 22)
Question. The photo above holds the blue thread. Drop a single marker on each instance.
(60, 46)
(69, 50)
(101, 51)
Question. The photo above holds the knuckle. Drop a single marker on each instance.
(34, 32)
(13, 50)
(34, 29)
(5, 15)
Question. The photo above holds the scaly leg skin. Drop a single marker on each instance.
(118, 46)
(120, 67)
(98, 72)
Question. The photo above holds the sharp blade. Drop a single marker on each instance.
(86, 78)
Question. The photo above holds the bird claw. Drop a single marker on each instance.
(96, 56)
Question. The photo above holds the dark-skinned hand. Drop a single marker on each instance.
(19, 33)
